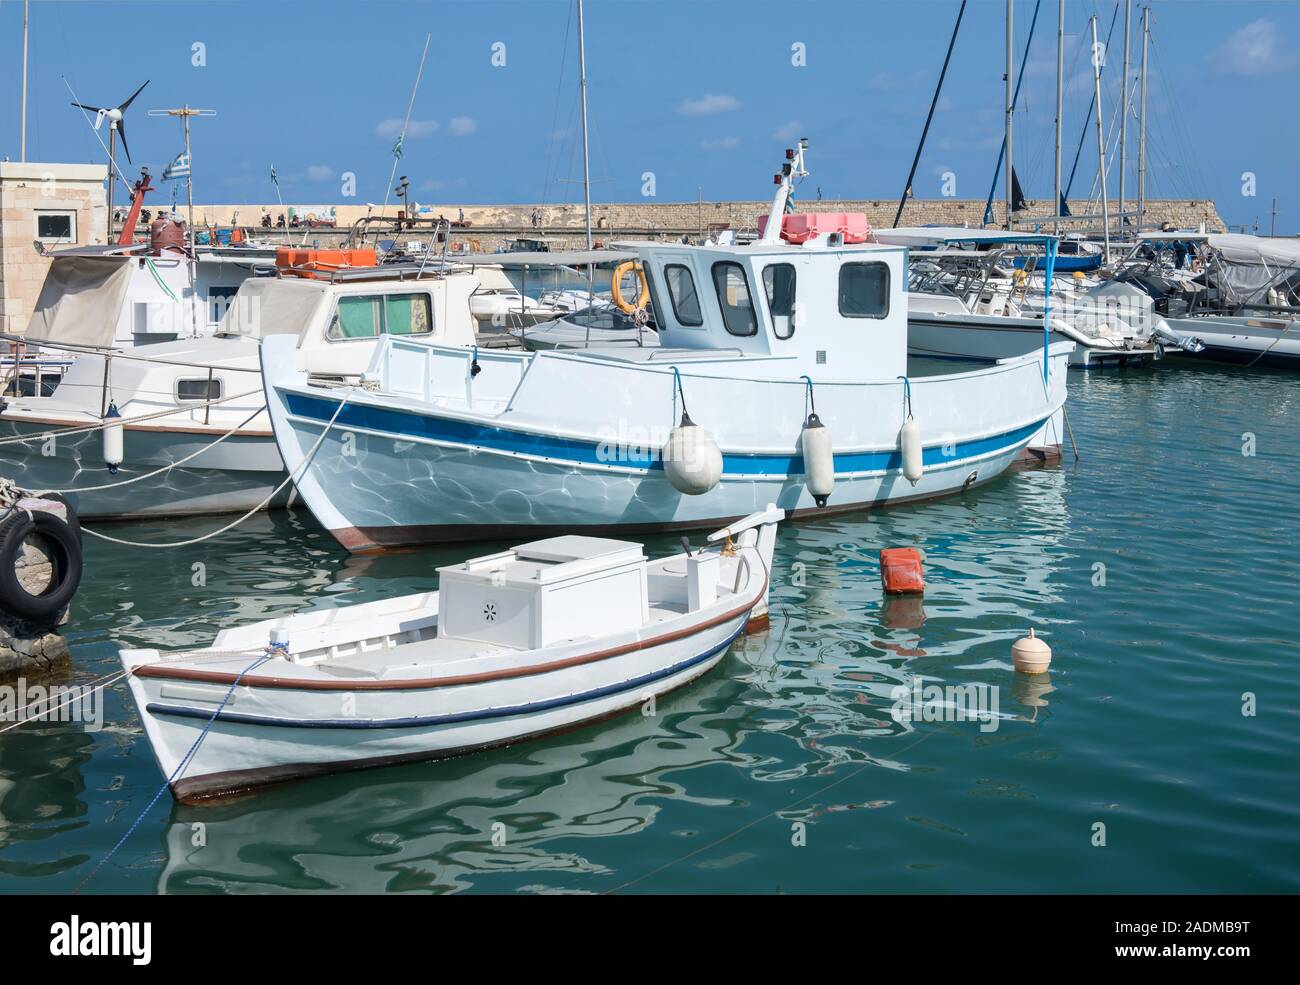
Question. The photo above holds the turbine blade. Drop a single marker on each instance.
(133, 95)
(121, 134)
(93, 109)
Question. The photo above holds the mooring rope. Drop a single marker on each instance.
(165, 468)
(100, 425)
(180, 767)
(83, 691)
(230, 526)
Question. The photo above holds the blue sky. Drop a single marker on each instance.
(702, 93)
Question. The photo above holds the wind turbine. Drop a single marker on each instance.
(116, 128)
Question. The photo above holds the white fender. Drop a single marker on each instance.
(692, 459)
(818, 459)
(909, 440)
(112, 438)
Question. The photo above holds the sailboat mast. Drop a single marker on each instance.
(23, 140)
(1123, 119)
(1142, 122)
(1060, 80)
(1010, 105)
(582, 90)
(1101, 140)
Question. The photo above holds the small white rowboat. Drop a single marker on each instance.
(536, 640)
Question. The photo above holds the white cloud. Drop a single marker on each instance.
(721, 143)
(389, 129)
(461, 126)
(710, 104)
(319, 172)
(787, 132)
(1256, 49)
(884, 82)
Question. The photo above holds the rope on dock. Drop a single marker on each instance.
(230, 526)
(165, 468)
(124, 421)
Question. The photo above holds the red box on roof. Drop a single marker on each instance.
(800, 227)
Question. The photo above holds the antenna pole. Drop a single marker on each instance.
(1142, 122)
(582, 91)
(1101, 141)
(24, 123)
(1010, 102)
(1123, 119)
(1060, 85)
(401, 138)
(189, 178)
(112, 170)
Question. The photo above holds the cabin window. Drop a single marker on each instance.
(219, 299)
(366, 316)
(864, 290)
(778, 283)
(681, 289)
(734, 298)
(201, 388)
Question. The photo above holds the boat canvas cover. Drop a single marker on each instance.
(1246, 265)
(271, 306)
(81, 301)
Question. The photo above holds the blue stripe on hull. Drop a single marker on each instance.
(414, 425)
(423, 721)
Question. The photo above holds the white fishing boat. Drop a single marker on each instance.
(791, 357)
(518, 644)
(177, 428)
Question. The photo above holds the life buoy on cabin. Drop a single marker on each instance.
(62, 544)
(616, 287)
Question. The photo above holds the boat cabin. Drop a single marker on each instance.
(836, 309)
(341, 317)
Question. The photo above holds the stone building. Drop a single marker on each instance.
(55, 204)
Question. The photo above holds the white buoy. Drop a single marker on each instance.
(1030, 655)
(692, 459)
(818, 459)
(909, 441)
(112, 438)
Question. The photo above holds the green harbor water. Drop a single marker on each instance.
(1161, 567)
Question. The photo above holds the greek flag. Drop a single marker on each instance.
(397, 147)
(179, 168)
(274, 179)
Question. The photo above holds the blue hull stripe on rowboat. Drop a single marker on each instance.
(402, 424)
(456, 718)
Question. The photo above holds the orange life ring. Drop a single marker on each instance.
(616, 288)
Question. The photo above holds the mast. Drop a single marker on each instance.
(907, 189)
(1101, 140)
(1123, 119)
(1142, 122)
(23, 141)
(586, 161)
(1010, 103)
(1060, 80)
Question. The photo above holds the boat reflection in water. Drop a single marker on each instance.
(806, 699)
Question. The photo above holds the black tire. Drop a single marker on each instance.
(63, 546)
(73, 520)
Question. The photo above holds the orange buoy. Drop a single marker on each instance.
(900, 570)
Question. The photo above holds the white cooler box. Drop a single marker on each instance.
(545, 592)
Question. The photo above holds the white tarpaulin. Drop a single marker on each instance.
(1245, 266)
(270, 306)
(81, 301)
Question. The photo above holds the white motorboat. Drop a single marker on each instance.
(515, 645)
(191, 413)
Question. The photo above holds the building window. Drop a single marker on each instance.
(367, 315)
(864, 290)
(56, 226)
(778, 283)
(198, 389)
(219, 299)
(681, 289)
(734, 298)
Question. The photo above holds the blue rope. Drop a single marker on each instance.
(907, 393)
(275, 649)
(809, 402)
